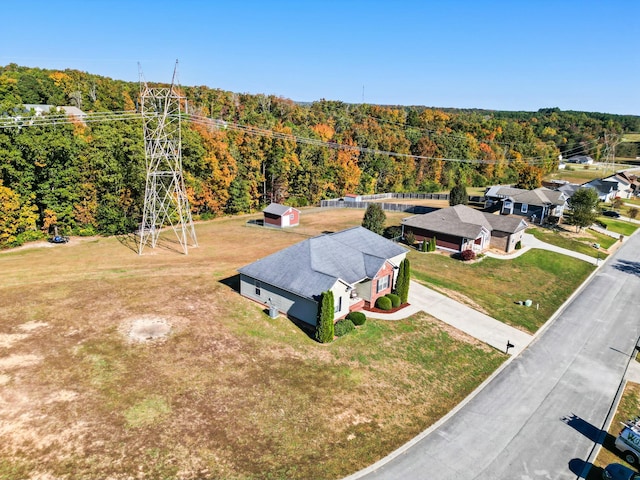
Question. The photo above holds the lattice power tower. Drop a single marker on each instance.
(165, 196)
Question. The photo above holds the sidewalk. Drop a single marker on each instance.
(466, 319)
(529, 241)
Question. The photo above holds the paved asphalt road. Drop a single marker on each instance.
(541, 416)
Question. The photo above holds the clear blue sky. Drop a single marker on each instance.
(505, 55)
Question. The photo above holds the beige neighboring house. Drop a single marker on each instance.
(461, 228)
(73, 112)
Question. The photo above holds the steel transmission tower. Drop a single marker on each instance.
(610, 142)
(165, 196)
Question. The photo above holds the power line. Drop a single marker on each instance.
(57, 119)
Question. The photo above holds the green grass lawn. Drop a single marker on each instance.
(628, 408)
(495, 285)
(581, 245)
(618, 226)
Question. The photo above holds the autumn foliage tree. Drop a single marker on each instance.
(89, 178)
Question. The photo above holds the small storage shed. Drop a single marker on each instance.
(281, 216)
(352, 197)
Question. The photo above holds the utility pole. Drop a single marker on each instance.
(165, 195)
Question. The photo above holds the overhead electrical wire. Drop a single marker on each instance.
(91, 117)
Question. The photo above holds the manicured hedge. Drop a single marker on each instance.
(383, 303)
(395, 299)
(358, 318)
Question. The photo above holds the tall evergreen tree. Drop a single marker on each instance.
(324, 323)
(407, 280)
(403, 280)
(374, 218)
(458, 194)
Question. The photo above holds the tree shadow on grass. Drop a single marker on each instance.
(632, 268)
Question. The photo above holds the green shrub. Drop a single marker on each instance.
(432, 244)
(410, 238)
(395, 299)
(383, 303)
(358, 318)
(342, 327)
(392, 232)
(518, 245)
(423, 246)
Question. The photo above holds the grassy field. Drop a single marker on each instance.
(229, 393)
(628, 408)
(582, 242)
(495, 286)
(579, 173)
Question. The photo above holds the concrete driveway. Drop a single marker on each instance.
(464, 318)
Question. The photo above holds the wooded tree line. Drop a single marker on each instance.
(89, 179)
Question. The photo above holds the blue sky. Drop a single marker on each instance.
(504, 55)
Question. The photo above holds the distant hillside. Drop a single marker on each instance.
(89, 178)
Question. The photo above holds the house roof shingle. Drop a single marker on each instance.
(463, 221)
(313, 266)
(459, 220)
(539, 196)
(277, 209)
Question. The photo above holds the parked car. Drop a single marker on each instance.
(616, 471)
(611, 213)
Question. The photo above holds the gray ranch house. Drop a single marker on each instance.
(461, 228)
(357, 265)
(536, 205)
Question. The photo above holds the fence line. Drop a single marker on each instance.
(389, 207)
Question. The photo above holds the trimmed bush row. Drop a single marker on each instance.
(395, 299)
(358, 318)
(383, 303)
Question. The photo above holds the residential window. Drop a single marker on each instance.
(338, 305)
(258, 289)
(524, 208)
(383, 284)
(292, 217)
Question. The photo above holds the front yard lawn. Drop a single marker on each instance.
(618, 226)
(495, 285)
(581, 244)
